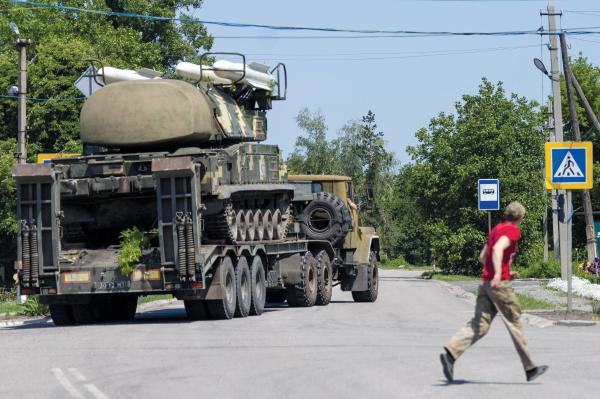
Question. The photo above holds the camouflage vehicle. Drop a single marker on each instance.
(180, 160)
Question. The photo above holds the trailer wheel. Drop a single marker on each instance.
(257, 286)
(304, 294)
(275, 296)
(370, 295)
(224, 308)
(324, 279)
(124, 308)
(243, 288)
(62, 315)
(82, 313)
(196, 309)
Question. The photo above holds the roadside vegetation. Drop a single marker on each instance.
(152, 298)
(10, 307)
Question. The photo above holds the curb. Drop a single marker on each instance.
(532, 320)
(577, 323)
(39, 321)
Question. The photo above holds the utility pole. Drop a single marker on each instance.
(22, 45)
(585, 194)
(560, 229)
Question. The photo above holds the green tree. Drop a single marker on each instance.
(491, 135)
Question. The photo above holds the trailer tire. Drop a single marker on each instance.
(82, 313)
(304, 294)
(324, 279)
(224, 308)
(326, 218)
(243, 288)
(257, 286)
(370, 295)
(276, 296)
(62, 315)
(196, 309)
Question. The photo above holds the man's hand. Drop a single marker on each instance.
(514, 275)
(496, 280)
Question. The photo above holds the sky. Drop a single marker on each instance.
(404, 81)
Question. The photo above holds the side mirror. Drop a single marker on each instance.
(370, 196)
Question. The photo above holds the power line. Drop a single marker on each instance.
(577, 31)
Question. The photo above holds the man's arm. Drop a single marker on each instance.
(497, 254)
(483, 254)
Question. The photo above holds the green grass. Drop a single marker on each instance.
(529, 303)
(152, 298)
(450, 277)
(400, 264)
(8, 307)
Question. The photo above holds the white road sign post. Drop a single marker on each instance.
(488, 193)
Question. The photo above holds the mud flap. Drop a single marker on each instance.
(354, 278)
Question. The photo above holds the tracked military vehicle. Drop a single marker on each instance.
(180, 160)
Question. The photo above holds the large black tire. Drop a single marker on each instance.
(102, 309)
(243, 288)
(196, 310)
(124, 308)
(257, 286)
(62, 315)
(304, 294)
(276, 296)
(324, 279)
(370, 295)
(224, 308)
(326, 217)
(82, 313)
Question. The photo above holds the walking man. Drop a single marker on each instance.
(495, 296)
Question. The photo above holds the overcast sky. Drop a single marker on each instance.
(404, 81)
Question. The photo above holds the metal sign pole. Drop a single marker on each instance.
(489, 222)
(569, 214)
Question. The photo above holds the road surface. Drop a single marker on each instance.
(388, 349)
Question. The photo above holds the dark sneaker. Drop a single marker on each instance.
(535, 372)
(448, 366)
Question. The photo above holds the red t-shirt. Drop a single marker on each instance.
(513, 233)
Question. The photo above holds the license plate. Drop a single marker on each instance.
(76, 277)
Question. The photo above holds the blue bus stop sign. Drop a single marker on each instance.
(488, 194)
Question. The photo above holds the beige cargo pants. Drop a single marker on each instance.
(490, 301)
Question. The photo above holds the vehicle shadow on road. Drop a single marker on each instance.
(443, 383)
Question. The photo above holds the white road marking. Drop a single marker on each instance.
(66, 384)
(98, 394)
(77, 374)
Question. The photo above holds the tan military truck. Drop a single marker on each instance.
(325, 211)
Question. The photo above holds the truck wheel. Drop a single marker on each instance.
(370, 295)
(304, 294)
(124, 308)
(224, 308)
(196, 309)
(62, 315)
(275, 296)
(82, 313)
(326, 217)
(257, 286)
(243, 288)
(324, 279)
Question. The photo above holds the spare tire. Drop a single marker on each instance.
(326, 217)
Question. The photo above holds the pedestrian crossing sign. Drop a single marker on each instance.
(569, 165)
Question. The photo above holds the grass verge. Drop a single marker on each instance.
(530, 303)
(449, 277)
(152, 298)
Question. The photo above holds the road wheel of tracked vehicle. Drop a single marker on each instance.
(243, 288)
(257, 286)
(196, 309)
(259, 226)
(276, 296)
(124, 308)
(326, 217)
(82, 313)
(304, 294)
(268, 223)
(370, 295)
(251, 227)
(277, 225)
(224, 308)
(240, 222)
(324, 279)
(62, 315)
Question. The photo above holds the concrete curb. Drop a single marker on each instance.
(38, 321)
(532, 320)
(577, 323)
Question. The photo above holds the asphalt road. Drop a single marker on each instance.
(388, 349)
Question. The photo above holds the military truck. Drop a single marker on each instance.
(180, 161)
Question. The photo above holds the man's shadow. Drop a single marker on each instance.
(443, 383)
